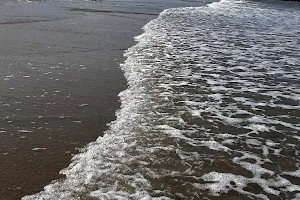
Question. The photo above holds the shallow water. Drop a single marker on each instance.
(211, 111)
(60, 77)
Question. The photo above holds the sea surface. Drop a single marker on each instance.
(59, 81)
(211, 111)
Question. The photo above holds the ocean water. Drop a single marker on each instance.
(211, 111)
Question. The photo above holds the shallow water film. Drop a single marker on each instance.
(211, 111)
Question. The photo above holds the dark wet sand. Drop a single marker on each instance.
(60, 79)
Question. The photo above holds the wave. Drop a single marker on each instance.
(211, 109)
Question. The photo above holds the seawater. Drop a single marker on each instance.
(211, 111)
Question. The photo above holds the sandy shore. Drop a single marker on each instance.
(60, 79)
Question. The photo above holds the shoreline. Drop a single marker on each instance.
(63, 70)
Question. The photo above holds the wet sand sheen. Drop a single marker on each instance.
(110, 11)
(60, 80)
(59, 90)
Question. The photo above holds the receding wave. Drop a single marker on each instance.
(211, 111)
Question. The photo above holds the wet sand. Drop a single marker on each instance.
(60, 79)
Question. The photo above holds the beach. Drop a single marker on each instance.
(156, 100)
(60, 79)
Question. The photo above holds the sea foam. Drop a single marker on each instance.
(212, 108)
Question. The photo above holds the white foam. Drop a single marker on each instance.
(205, 85)
(24, 131)
(294, 173)
(38, 149)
